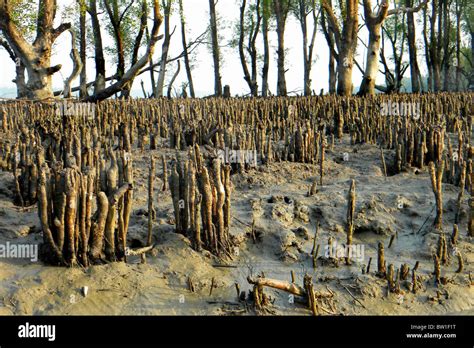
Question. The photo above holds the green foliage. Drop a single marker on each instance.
(25, 16)
(129, 24)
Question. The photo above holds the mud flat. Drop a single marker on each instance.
(274, 221)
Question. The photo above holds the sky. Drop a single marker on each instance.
(197, 17)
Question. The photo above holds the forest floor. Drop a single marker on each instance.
(275, 196)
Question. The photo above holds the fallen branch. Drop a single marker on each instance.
(140, 251)
(355, 299)
(285, 286)
(278, 284)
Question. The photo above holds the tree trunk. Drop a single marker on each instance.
(150, 64)
(252, 49)
(266, 47)
(329, 35)
(164, 52)
(215, 50)
(35, 57)
(39, 85)
(427, 51)
(83, 47)
(173, 79)
(372, 66)
(306, 63)
(249, 77)
(411, 36)
(98, 48)
(137, 44)
(304, 8)
(374, 25)
(434, 47)
(20, 79)
(332, 74)
(115, 19)
(281, 12)
(457, 82)
(243, 61)
(77, 66)
(131, 73)
(187, 63)
(346, 43)
(471, 78)
(344, 73)
(446, 38)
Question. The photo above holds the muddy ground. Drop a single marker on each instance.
(275, 197)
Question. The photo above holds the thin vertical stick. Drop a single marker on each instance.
(321, 164)
(151, 178)
(350, 218)
(382, 157)
(381, 260)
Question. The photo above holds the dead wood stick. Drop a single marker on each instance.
(355, 299)
(151, 177)
(139, 251)
(278, 284)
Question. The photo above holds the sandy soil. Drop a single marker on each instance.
(285, 219)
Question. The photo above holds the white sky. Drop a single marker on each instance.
(196, 12)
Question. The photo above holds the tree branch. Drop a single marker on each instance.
(333, 22)
(60, 29)
(135, 69)
(408, 9)
(77, 67)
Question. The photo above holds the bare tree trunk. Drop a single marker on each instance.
(98, 48)
(252, 49)
(137, 44)
(374, 26)
(281, 8)
(249, 77)
(173, 79)
(344, 72)
(164, 50)
(187, 63)
(266, 46)
(457, 82)
(150, 64)
(427, 51)
(471, 78)
(243, 61)
(215, 50)
(37, 56)
(329, 35)
(434, 46)
(446, 38)
(131, 73)
(411, 36)
(304, 8)
(77, 66)
(20, 79)
(115, 18)
(83, 47)
(332, 74)
(346, 43)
